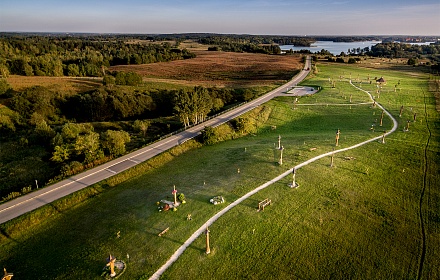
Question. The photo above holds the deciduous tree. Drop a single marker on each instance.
(141, 126)
(114, 142)
(61, 153)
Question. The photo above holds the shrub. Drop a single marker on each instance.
(4, 87)
(181, 197)
(208, 136)
(351, 60)
(108, 80)
(412, 61)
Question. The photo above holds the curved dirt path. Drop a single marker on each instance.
(201, 230)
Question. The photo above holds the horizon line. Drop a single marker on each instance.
(217, 33)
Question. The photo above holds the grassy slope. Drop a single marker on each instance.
(358, 220)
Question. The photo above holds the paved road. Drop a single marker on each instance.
(36, 199)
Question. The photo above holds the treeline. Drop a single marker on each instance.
(402, 50)
(116, 104)
(413, 52)
(227, 44)
(58, 56)
(218, 39)
(253, 43)
(348, 38)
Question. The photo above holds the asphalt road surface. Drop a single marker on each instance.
(36, 199)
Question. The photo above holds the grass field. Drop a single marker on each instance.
(373, 216)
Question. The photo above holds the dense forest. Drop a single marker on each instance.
(403, 50)
(72, 56)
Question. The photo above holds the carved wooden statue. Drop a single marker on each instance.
(111, 264)
(7, 276)
(337, 137)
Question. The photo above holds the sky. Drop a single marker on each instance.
(277, 17)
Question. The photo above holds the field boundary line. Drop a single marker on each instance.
(422, 195)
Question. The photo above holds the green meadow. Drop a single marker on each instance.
(373, 215)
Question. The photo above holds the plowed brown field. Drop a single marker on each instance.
(207, 69)
(221, 69)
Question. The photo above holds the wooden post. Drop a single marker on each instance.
(337, 137)
(407, 126)
(174, 192)
(381, 117)
(332, 160)
(294, 184)
(293, 178)
(281, 156)
(208, 249)
(401, 111)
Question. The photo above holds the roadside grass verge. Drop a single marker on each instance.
(360, 219)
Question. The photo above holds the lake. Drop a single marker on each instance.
(337, 47)
(334, 47)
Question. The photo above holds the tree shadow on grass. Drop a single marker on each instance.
(251, 203)
(5, 234)
(351, 170)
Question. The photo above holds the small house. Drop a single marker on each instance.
(381, 81)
